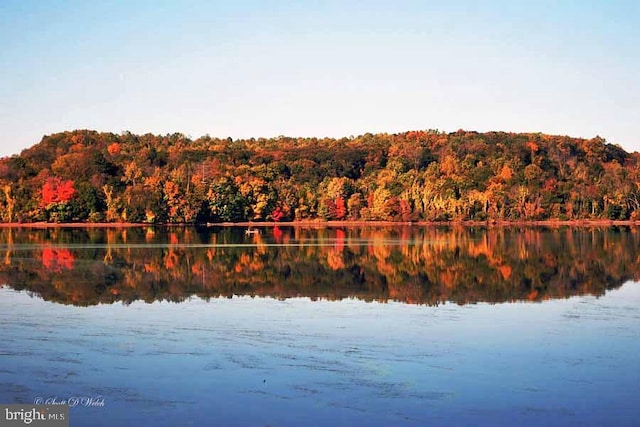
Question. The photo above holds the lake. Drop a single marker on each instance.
(288, 326)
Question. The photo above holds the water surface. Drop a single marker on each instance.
(345, 327)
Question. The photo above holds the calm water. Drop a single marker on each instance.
(365, 326)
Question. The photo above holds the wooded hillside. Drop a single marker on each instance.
(86, 176)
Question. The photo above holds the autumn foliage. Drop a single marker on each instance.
(56, 190)
(86, 176)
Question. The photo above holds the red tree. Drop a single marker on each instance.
(56, 190)
(277, 214)
(341, 208)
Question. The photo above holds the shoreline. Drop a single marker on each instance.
(329, 224)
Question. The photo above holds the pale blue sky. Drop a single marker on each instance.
(319, 68)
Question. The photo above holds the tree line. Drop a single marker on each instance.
(87, 176)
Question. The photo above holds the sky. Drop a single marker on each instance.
(248, 68)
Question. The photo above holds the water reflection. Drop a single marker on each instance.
(416, 265)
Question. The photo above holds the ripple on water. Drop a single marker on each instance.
(266, 393)
(245, 361)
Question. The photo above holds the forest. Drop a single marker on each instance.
(84, 176)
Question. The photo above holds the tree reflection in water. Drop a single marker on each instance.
(415, 265)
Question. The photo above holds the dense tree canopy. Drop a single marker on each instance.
(86, 176)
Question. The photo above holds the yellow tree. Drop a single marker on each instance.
(10, 203)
